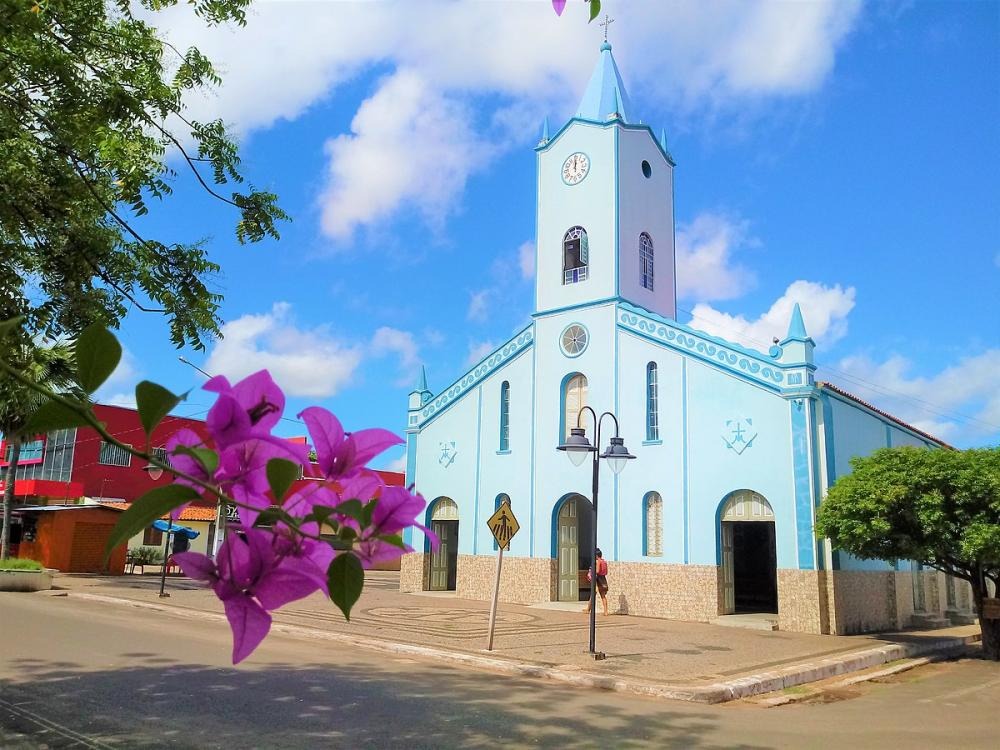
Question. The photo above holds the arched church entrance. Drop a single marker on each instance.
(573, 531)
(444, 560)
(749, 558)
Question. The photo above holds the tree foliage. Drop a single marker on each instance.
(91, 107)
(938, 507)
(49, 367)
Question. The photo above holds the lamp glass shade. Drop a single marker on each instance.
(155, 472)
(617, 455)
(577, 456)
(577, 446)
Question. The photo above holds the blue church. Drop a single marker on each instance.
(734, 447)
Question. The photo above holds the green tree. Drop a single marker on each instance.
(91, 107)
(48, 366)
(938, 507)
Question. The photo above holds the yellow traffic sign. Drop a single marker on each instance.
(503, 525)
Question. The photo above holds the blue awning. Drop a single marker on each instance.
(175, 529)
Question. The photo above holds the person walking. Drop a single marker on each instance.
(601, 567)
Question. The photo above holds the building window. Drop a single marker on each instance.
(501, 499)
(652, 403)
(646, 260)
(160, 454)
(574, 398)
(112, 455)
(152, 537)
(653, 533)
(505, 416)
(576, 255)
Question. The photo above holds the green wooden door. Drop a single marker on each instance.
(444, 562)
(569, 551)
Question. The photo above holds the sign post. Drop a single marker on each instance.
(503, 525)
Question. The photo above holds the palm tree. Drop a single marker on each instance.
(49, 366)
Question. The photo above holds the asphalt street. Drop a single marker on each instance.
(79, 674)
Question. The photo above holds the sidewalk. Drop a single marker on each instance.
(666, 658)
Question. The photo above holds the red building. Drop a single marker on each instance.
(73, 466)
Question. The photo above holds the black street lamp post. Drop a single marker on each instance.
(577, 446)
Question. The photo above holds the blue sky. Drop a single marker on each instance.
(838, 154)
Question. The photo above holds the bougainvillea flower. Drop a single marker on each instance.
(251, 408)
(256, 572)
(559, 5)
(339, 454)
(243, 470)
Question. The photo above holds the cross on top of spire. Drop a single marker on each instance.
(606, 23)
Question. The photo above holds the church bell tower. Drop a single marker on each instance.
(605, 205)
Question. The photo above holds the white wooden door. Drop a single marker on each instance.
(728, 587)
(569, 553)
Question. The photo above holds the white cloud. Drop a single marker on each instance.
(824, 311)
(389, 340)
(397, 464)
(705, 267)
(959, 403)
(408, 145)
(526, 260)
(119, 388)
(478, 351)
(478, 305)
(304, 362)
(412, 141)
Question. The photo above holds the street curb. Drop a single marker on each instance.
(719, 692)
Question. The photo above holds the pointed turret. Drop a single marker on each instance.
(545, 131)
(663, 145)
(797, 346)
(421, 394)
(605, 96)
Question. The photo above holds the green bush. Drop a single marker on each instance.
(146, 555)
(19, 563)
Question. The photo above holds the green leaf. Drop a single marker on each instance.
(394, 539)
(97, 355)
(208, 458)
(270, 516)
(154, 403)
(345, 579)
(53, 415)
(6, 326)
(147, 509)
(595, 8)
(352, 509)
(280, 475)
(320, 514)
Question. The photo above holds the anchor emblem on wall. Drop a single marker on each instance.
(448, 453)
(740, 435)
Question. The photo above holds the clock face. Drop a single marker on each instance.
(575, 168)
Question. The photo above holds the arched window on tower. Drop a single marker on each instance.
(505, 416)
(646, 260)
(574, 398)
(576, 255)
(652, 402)
(652, 543)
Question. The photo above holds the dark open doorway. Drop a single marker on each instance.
(755, 570)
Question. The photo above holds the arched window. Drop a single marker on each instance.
(652, 543)
(646, 260)
(505, 416)
(576, 255)
(652, 403)
(502, 498)
(574, 398)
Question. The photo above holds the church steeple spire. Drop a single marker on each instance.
(605, 95)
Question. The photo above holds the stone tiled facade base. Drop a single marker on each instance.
(523, 580)
(864, 601)
(803, 601)
(677, 592)
(413, 573)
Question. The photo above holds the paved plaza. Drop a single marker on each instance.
(642, 650)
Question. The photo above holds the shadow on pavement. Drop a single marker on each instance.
(157, 702)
